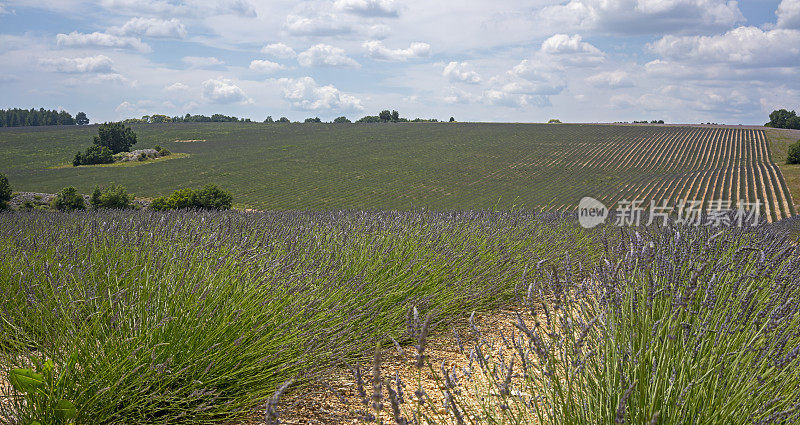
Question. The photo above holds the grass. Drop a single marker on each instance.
(779, 146)
(177, 155)
(197, 317)
(391, 166)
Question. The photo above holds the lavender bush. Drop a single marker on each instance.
(674, 326)
(199, 317)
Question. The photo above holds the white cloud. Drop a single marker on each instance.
(305, 94)
(265, 66)
(279, 50)
(323, 25)
(456, 95)
(748, 46)
(788, 14)
(151, 27)
(369, 8)
(571, 49)
(177, 88)
(376, 50)
(223, 90)
(99, 63)
(112, 78)
(100, 39)
(610, 79)
(325, 55)
(461, 72)
(202, 61)
(190, 8)
(641, 16)
(529, 83)
(3, 9)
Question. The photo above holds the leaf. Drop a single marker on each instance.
(65, 410)
(25, 380)
(34, 423)
(47, 368)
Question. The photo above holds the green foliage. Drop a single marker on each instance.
(115, 136)
(554, 121)
(782, 118)
(31, 117)
(164, 152)
(313, 120)
(269, 120)
(283, 120)
(793, 156)
(385, 115)
(209, 197)
(81, 118)
(42, 389)
(94, 155)
(114, 196)
(369, 119)
(5, 191)
(341, 120)
(452, 119)
(68, 199)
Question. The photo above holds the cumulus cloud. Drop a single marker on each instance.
(610, 79)
(457, 95)
(788, 14)
(529, 83)
(279, 50)
(202, 61)
(305, 94)
(151, 27)
(571, 49)
(99, 63)
(376, 50)
(177, 88)
(461, 72)
(642, 16)
(265, 66)
(382, 8)
(323, 25)
(325, 55)
(223, 90)
(749, 46)
(101, 39)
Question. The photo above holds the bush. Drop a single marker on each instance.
(794, 154)
(157, 147)
(209, 197)
(114, 196)
(5, 191)
(68, 199)
(554, 121)
(94, 155)
(341, 120)
(164, 152)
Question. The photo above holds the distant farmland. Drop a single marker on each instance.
(437, 166)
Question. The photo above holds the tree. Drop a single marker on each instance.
(385, 115)
(81, 118)
(114, 196)
(452, 119)
(783, 119)
(209, 197)
(794, 154)
(341, 120)
(395, 116)
(94, 155)
(316, 119)
(269, 119)
(5, 191)
(68, 199)
(283, 119)
(115, 136)
(554, 121)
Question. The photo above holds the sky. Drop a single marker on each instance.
(683, 61)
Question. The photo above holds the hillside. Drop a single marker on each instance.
(437, 166)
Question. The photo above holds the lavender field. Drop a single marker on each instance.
(198, 317)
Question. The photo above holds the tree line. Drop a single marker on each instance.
(18, 117)
(783, 119)
(159, 118)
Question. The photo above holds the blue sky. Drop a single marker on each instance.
(682, 61)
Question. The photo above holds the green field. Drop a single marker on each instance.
(432, 165)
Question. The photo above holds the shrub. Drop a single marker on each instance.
(554, 121)
(114, 196)
(341, 120)
(5, 191)
(164, 152)
(142, 157)
(94, 155)
(68, 199)
(794, 154)
(157, 147)
(209, 197)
